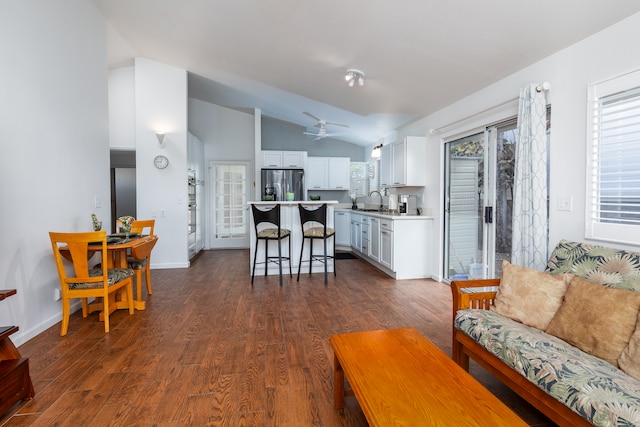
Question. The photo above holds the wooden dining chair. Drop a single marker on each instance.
(142, 227)
(314, 227)
(139, 260)
(85, 282)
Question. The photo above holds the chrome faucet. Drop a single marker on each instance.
(381, 199)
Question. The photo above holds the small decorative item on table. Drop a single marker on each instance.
(97, 225)
(290, 196)
(125, 223)
(314, 198)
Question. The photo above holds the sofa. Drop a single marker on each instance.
(566, 339)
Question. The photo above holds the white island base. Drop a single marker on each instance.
(290, 219)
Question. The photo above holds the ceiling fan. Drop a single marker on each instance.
(322, 127)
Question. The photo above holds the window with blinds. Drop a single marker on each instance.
(613, 210)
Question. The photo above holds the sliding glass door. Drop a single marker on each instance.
(478, 195)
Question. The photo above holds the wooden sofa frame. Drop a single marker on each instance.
(463, 347)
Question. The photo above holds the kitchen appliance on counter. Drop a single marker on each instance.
(407, 204)
(283, 184)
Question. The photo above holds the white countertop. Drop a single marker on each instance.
(294, 202)
(386, 215)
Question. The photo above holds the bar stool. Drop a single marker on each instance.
(270, 233)
(314, 226)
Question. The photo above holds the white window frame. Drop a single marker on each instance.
(597, 226)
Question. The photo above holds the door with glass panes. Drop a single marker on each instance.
(228, 196)
(478, 201)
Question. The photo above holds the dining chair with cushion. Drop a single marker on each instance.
(314, 227)
(142, 227)
(139, 260)
(267, 224)
(85, 282)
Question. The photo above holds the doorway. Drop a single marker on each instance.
(478, 202)
(229, 221)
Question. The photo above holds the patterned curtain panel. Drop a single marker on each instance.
(530, 218)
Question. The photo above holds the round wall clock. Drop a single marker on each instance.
(161, 162)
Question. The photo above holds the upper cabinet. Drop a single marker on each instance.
(283, 159)
(402, 164)
(327, 173)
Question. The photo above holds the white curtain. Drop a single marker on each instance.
(530, 218)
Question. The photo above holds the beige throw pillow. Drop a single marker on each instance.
(529, 296)
(597, 319)
(629, 360)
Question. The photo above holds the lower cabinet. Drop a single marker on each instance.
(356, 232)
(386, 244)
(342, 222)
(374, 238)
(399, 246)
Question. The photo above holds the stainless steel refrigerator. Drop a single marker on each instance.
(279, 182)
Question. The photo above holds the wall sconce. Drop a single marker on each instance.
(160, 137)
(375, 153)
(354, 75)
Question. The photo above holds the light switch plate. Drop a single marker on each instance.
(565, 203)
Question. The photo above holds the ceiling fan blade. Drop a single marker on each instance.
(311, 115)
(337, 124)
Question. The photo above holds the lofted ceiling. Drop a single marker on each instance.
(286, 57)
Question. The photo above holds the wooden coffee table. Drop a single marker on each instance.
(400, 378)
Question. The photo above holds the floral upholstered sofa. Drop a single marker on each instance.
(565, 339)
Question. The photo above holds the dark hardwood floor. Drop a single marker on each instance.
(212, 350)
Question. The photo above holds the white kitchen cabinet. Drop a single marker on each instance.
(403, 163)
(283, 159)
(397, 245)
(316, 176)
(342, 221)
(364, 230)
(374, 238)
(385, 166)
(386, 243)
(338, 170)
(327, 173)
(356, 232)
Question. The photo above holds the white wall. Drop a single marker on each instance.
(122, 113)
(161, 106)
(226, 134)
(570, 71)
(55, 147)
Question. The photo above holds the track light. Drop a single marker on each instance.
(353, 75)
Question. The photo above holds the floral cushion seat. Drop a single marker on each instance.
(591, 387)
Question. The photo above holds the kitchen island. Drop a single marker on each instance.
(290, 218)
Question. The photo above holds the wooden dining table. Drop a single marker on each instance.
(118, 252)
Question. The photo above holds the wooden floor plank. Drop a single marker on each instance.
(210, 349)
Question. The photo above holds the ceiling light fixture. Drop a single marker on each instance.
(354, 75)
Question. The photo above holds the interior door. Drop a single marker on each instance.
(229, 219)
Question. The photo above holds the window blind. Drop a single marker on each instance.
(614, 203)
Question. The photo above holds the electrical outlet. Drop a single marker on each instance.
(57, 294)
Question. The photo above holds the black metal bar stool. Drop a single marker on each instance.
(314, 226)
(272, 231)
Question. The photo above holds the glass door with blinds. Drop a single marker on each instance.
(228, 198)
